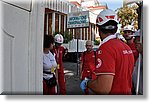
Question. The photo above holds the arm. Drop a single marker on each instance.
(102, 85)
(65, 51)
(56, 73)
(139, 47)
(81, 63)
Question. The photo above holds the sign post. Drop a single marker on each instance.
(78, 20)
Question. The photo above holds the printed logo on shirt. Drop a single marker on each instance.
(99, 63)
(93, 56)
(127, 52)
(134, 51)
(100, 52)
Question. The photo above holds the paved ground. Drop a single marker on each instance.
(72, 80)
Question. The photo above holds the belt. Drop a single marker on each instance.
(47, 72)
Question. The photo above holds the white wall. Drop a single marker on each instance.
(22, 34)
(24, 4)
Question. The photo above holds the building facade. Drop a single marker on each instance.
(56, 18)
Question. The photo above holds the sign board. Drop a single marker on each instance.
(78, 19)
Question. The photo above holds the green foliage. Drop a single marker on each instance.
(68, 36)
(97, 42)
(128, 15)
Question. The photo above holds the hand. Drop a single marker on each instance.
(65, 52)
(139, 47)
(81, 75)
(83, 85)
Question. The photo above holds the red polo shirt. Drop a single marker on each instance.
(89, 60)
(59, 51)
(135, 51)
(116, 58)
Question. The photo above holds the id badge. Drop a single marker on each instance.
(58, 66)
(52, 69)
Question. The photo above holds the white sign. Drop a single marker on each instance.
(78, 19)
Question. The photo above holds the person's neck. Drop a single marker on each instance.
(46, 51)
(130, 41)
(57, 46)
(103, 36)
(89, 51)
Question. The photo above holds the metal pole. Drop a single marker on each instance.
(77, 54)
(141, 36)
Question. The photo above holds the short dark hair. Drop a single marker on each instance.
(106, 29)
(48, 39)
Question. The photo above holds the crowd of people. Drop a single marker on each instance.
(112, 69)
(117, 61)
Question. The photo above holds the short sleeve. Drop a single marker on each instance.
(105, 63)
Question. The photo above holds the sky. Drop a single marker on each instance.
(113, 4)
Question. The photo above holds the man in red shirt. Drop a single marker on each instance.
(115, 60)
(129, 32)
(87, 63)
(60, 52)
(128, 35)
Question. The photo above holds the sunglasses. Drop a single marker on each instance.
(127, 31)
(88, 45)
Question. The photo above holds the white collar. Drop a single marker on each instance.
(108, 38)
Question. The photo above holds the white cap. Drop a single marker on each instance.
(129, 28)
(59, 38)
(105, 16)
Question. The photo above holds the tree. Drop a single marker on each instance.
(128, 15)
